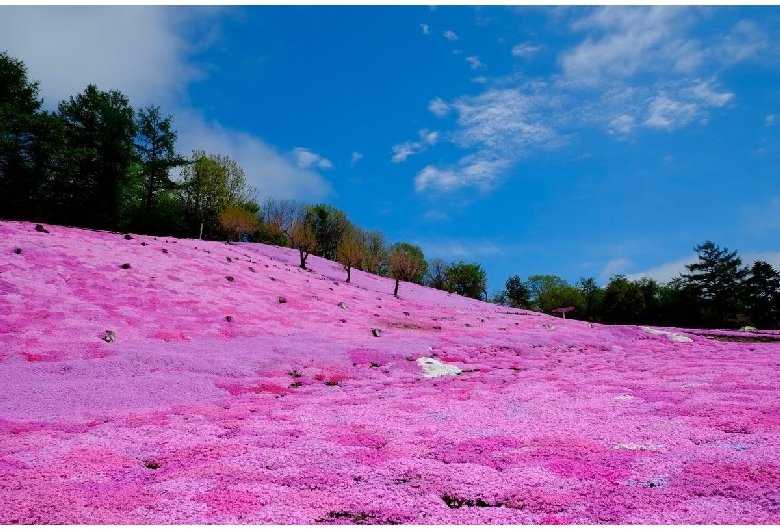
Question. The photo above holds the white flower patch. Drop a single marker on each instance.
(693, 385)
(671, 336)
(638, 447)
(624, 397)
(436, 368)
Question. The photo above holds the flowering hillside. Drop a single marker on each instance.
(151, 381)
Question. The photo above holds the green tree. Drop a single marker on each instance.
(651, 292)
(517, 293)
(207, 187)
(329, 225)
(624, 302)
(550, 292)
(156, 146)
(467, 279)
(593, 296)
(407, 264)
(99, 133)
(717, 279)
(763, 296)
(30, 143)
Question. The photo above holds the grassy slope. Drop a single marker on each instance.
(295, 413)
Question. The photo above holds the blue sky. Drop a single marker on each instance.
(572, 141)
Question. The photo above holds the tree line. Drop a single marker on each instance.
(716, 291)
(97, 163)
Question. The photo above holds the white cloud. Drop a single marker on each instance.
(425, 29)
(450, 35)
(478, 170)
(404, 150)
(438, 107)
(770, 120)
(503, 125)
(613, 267)
(623, 124)
(429, 137)
(502, 119)
(475, 62)
(665, 272)
(355, 157)
(138, 50)
(744, 41)
(481, 79)
(668, 114)
(305, 159)
(704, 92)
(272, 173)
(145, 52)
(623, 41)
(525, 49)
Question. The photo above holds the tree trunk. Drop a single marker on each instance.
(395, 293)
(349, 269)
(303, 258)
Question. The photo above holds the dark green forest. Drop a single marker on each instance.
(98, 163)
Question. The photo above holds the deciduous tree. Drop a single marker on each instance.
(436, 276)
(407, 264)
(351, 249)
(467, 279)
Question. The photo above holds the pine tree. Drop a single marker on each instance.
(717, 279)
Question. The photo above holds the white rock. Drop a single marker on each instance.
(671, 336)
(436, 368)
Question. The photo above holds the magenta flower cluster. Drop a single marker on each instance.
(297, 413)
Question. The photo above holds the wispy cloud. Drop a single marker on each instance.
(475, 62)
(623, 41)
(404, 150)
(613, 267)
(665, 272)
(424, 28)
(502, 125)
(665, 113)
(355, 157)
(305, 159)
(438, 107)
(623, 124)
(450, 35)
(745, 41)
(481, 79)
(770, 120)
(525, 49)
(272, 173)
(502, 120)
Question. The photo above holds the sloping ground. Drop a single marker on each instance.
(295, 412)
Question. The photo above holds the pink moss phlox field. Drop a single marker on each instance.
(296, 413)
